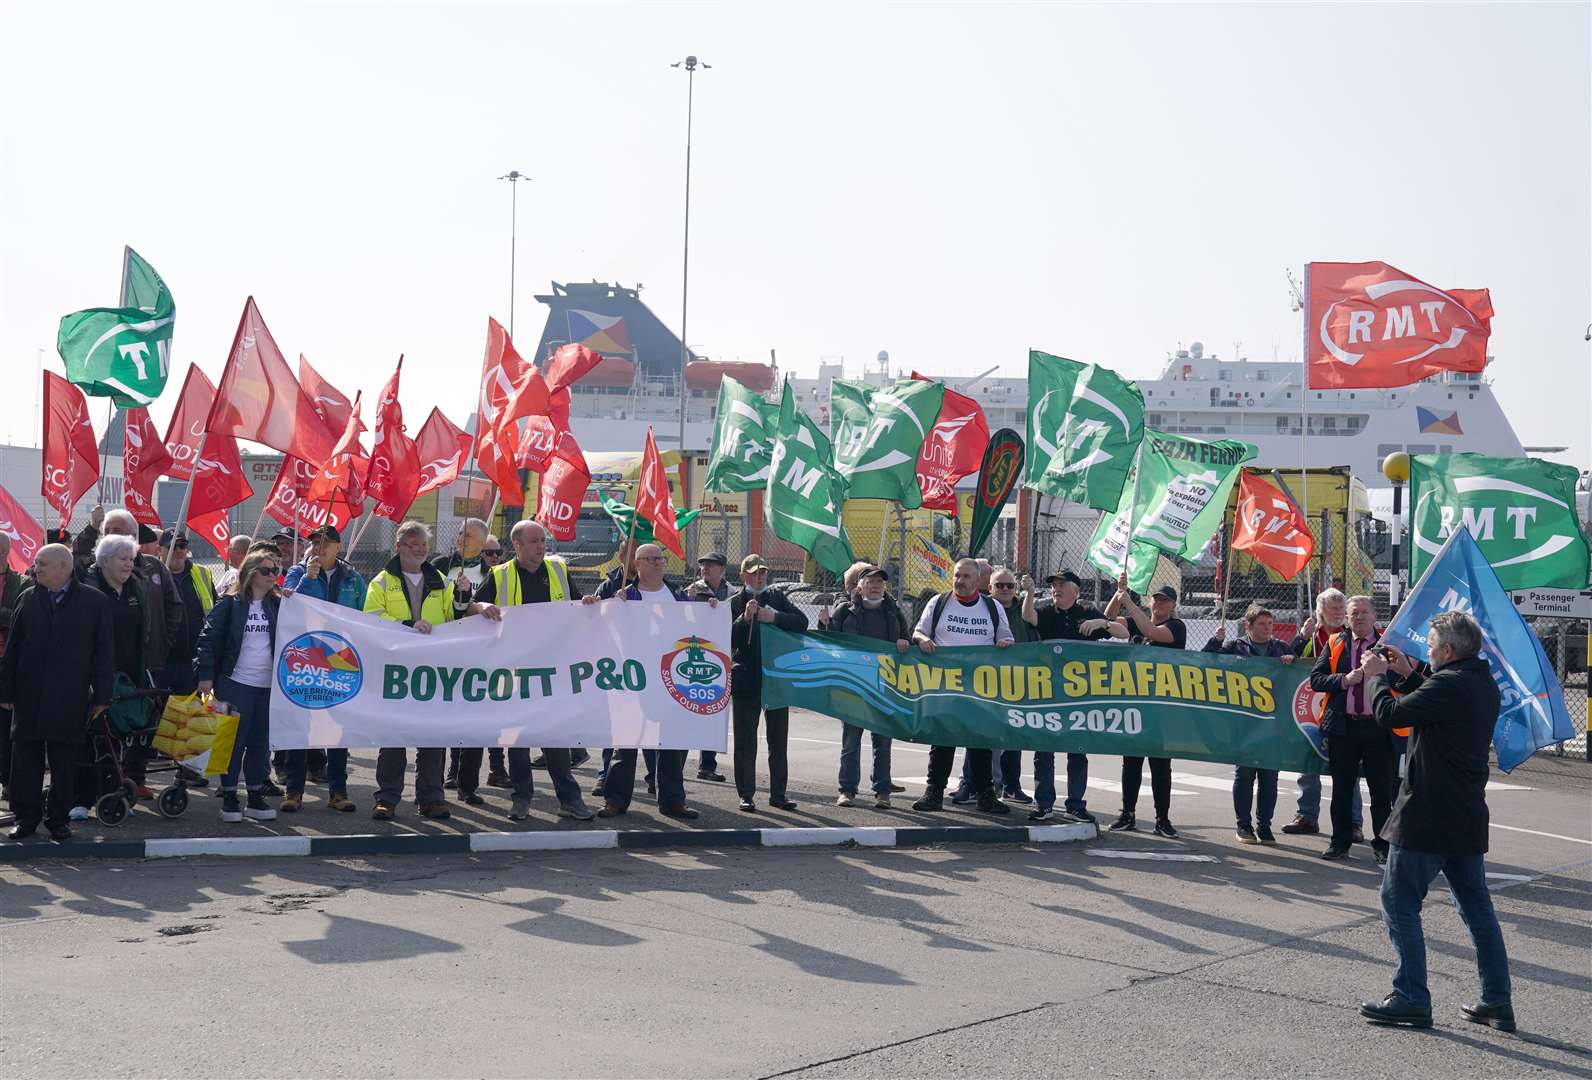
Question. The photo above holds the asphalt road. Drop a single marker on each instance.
(1129, 956)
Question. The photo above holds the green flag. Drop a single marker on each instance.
(805, 491)
(1084, 426)
(739, 459)
(879, 432)
(122, 353)
(620, 513)
(1172, 502)
(1521, 511)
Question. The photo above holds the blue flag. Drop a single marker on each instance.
(1532, 713)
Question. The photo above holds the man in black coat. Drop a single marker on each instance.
(56, 674)
(752, 608)
(1440, 820)
(1356, 746)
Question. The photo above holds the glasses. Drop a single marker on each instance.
(491, 553)
(650, 558)
(1006, 584)
(269, 571)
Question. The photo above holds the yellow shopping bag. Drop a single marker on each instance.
(225, 738)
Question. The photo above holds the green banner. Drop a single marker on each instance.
(1072, 696)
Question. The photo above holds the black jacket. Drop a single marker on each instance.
(221, 640)
(129, 623)
(1442, 804)
(844, 620)
(58, 663)
(746, 644)
(1327, 678)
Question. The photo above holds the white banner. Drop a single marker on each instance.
(618, 673)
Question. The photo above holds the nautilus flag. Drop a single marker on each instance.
(1085, 423)
(1271, 527)
(1371, 324)
(560, 674)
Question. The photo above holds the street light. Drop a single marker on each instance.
(690, 64)
(513, 176)
(1396, 467)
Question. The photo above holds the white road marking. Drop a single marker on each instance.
(1549, 835)
(1159, 856)
(1511, 877)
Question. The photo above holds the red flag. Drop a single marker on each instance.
(441, 450)
(213, 528)
(331, 404)
(568, 365)
(1271, 527)
(260, 400)
(187, 424)
(563, 489)
(502, 369)
(954, 448)
(71, 457)
(1371, 324)
(558, 409)
(290, 504)
(27, 535)
(345, 466)
(394, 462)
(144, 460)
(218, 482)
(530, 399)
(538, 442)
(652, 498)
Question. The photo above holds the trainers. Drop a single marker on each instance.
(846, 800)
(340, 802)
(1246, 835)
(748, 806)
(962, 796)
(291, 803)
(451, 782)
(270, 790)
(436, 811)
(1163, 827)
(80, 813)
(933, 800)
(1125, 822)
(1044, 813)
(1301, 826)
(881, 802)
(896, 789)
(990, 803)
(577, 810)
(520, 810)
(1081, 815)
(256, 809)
(1018, 795)
(385, 811)
(474, 799)
(1263, 834)
(498, 778)
(231, 807)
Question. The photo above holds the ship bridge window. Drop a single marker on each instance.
(1445, 448)
(1422, 448)
(1384, 449)
(1282, 423)
(1329, 423)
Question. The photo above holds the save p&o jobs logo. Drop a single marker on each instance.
(1307, 717)
(319, 670)
(697, 675)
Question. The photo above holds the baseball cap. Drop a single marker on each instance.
(1166, 592)
(284, 534)
(172, 539)
(717, 558)
(146, 535)
(753, 563)
(327, 532)
(874, 571)
(1064, 575)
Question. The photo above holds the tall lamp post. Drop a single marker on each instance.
(1396, 467)
(690, 64)
(513, 176)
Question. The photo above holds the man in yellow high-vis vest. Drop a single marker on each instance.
(531, 577)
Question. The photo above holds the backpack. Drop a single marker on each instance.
(939, 609)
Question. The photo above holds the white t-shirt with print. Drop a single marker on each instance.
(965, 624)
(254, 658)
(658, 595)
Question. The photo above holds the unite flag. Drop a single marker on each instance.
(394, 462)
(1372, 325)
(652, 498)
(27, 535)
(954, 449)
(1271, 527)
(258, 398)
(441, 449)
(144, 460)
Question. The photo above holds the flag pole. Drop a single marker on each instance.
(1227, 562)
(1304, 420)
(1133, 510)
(187, 496)
(105, 450)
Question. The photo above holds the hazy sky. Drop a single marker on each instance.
(953, 183)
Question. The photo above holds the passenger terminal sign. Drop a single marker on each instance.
(655, 676)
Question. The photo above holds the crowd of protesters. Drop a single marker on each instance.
(173, 627)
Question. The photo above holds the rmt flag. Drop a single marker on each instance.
(1271, 528)
(1371, 324)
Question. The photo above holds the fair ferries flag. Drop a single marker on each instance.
(1370, 324)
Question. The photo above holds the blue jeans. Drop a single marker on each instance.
(252, 748)
(1045, 781)
(1006, 771)
(1404, 884)
(1244, 779)
(336, 771)
(851, 761)
(1310, 799)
